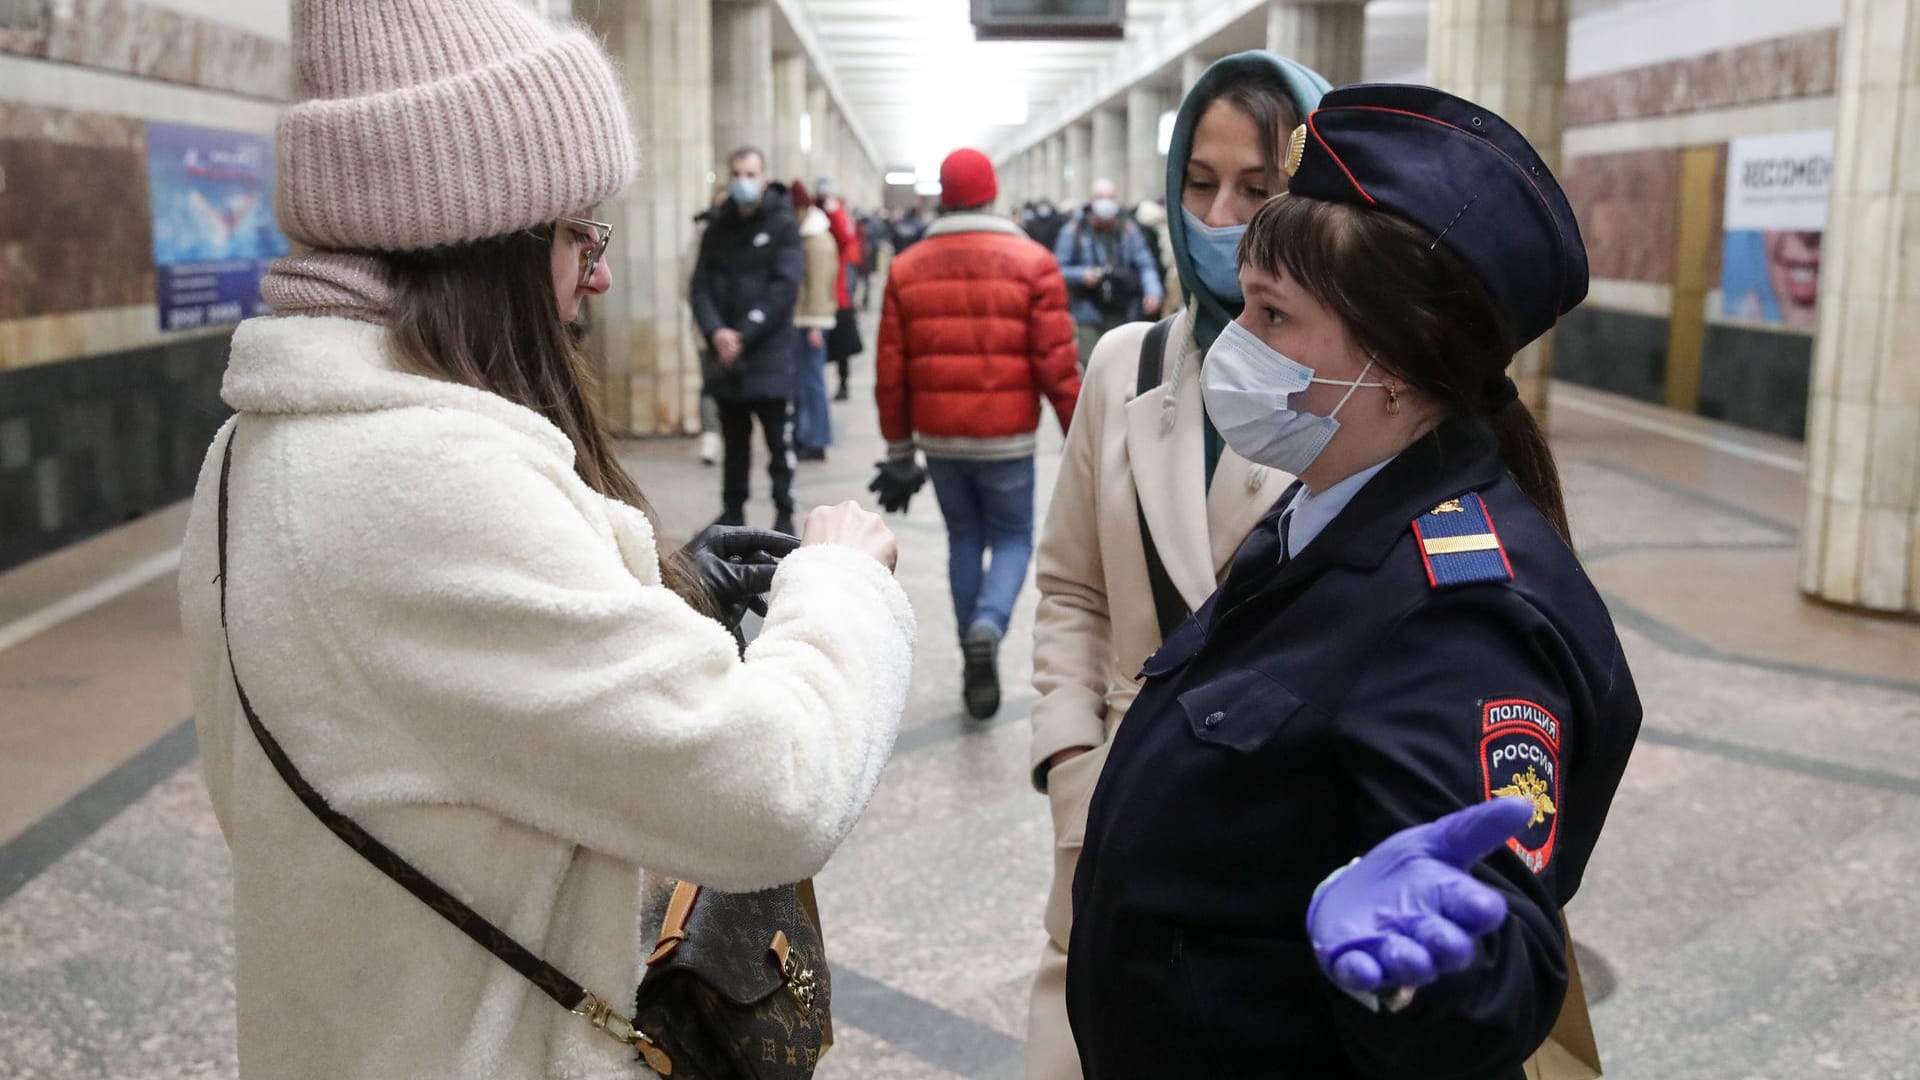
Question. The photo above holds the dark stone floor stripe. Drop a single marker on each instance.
(1692, 495)
(1675, 640)
(48, 840)
(1785, 760)
(921, 1028)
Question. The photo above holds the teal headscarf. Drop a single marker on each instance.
(1304, 85)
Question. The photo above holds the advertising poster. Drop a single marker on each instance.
(1777, 187)
(213, 228)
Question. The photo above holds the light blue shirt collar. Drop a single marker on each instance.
(1311, 512)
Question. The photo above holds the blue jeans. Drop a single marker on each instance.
(989, 508)
(812, 412)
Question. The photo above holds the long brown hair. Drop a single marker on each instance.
(1419, 309)
(1274, 115)
(483, 314)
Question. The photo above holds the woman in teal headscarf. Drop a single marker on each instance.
(1150, 504)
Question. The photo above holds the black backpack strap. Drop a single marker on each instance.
(1169, 607)
(569, 994)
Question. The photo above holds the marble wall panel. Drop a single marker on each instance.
(72, 127)
(25, 26)
(1627, 206)
(75, 227)
(1804, 65)
(156, 42)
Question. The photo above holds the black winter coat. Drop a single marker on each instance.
(1307, 712)
(746, 278)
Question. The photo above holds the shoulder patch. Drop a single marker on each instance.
(1458, 544)
(1520, 755)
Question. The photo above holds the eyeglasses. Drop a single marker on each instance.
(602, 234)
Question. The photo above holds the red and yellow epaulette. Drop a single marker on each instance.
(1459, 545)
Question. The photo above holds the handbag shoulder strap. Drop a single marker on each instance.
(1169, 607)
(569, 994)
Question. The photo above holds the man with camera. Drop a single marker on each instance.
(1110, 273)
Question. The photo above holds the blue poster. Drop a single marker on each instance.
(213, 228)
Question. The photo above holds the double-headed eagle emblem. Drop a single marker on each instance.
(1530, 787)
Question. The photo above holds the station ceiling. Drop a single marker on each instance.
(919, 85)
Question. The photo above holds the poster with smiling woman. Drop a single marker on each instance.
(1777, 188)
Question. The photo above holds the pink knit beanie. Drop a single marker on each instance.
(429, 122)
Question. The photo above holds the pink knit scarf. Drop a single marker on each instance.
(330, 283)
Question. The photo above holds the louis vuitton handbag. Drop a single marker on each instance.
(736, 989)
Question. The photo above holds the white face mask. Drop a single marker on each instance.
(1246, 383)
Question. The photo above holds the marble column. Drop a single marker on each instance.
(847, 151)
(1078, 175)
(819, 105)
(1326, 35)
(1192, 66)
(742, 74)
(789, 105)
(1052, 165)
(1108, 149)
(1861, 543)
(643, 337)
(1510, 56)
(1146, 166)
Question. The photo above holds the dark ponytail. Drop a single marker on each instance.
(1525, 453)
(1422, 311)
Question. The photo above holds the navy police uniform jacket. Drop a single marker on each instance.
(1437, 644)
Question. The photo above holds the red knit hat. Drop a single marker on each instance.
(966, 179)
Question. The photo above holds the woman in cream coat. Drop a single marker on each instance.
(1153, 456)
(447, 602)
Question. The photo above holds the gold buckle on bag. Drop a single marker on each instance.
(620, 1029)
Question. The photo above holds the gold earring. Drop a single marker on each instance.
(1393, 402)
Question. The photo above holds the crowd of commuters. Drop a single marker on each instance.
(1327, 752)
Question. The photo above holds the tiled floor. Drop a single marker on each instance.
(1751, 912)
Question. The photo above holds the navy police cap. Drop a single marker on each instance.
(1464, 175)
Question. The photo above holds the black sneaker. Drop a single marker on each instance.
(841, 394)
(981, 678)
(783, 523)
(731, 516)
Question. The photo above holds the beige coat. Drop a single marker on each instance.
(817, 304)
(1096, 623)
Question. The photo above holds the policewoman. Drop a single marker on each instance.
(1334, 837)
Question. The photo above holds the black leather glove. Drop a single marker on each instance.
(896, 483)
(736, 566)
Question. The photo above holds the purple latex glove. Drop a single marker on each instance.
(1406, 913)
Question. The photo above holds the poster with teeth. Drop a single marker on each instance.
(213, 227)
(1777, 188)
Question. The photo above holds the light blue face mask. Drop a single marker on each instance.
(1216, 256)
(745, 190)
(1248, 385)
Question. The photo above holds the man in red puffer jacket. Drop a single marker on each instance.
(974, 331)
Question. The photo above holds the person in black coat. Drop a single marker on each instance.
(1288, 868)
(745, 282)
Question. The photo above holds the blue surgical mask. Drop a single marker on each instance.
(1216, 256)
(745, 190)
(1246, 385)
